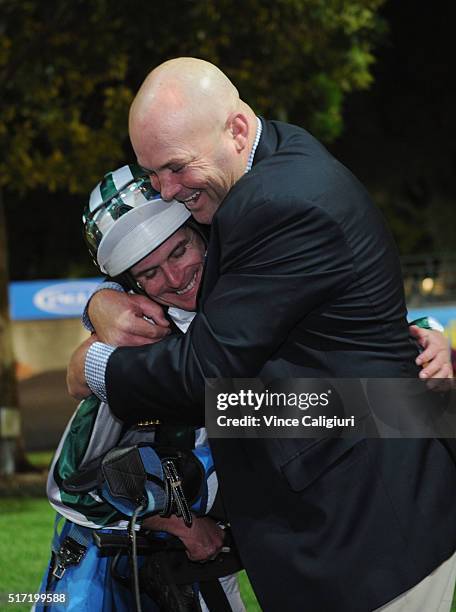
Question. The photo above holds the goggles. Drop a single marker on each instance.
(99, 218)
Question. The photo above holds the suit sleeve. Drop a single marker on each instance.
(272, 273)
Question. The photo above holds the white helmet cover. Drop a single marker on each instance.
(126, 219)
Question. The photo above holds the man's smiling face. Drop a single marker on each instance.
(171, 274)
(199, 174)
(192, 133)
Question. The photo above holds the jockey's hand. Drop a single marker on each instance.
(435, 359)
(119, 318)
(203, 540)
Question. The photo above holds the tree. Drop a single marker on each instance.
(64, 99)
(407, 123)
(8, 392)
(69, 68)
(59, 106)
(292, 59)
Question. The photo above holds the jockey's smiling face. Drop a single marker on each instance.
(171, 274)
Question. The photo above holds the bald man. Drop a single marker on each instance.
(302, 280)
(215, 129)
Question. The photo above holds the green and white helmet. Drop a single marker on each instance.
(126, 219)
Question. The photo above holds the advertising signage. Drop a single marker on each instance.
(50, 299)
(60, 299)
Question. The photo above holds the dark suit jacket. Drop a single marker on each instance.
(303, 280)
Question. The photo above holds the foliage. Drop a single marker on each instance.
(293, 59)
(401, 137)
(27, 528)
(68, 70)
(64, 99)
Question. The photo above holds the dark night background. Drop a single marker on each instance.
(398, 138)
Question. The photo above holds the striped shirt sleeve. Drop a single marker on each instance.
(95, 368)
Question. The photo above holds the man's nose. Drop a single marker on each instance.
(168, 186)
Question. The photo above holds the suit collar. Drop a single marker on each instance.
(268, 142)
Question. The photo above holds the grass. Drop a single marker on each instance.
(248, 596)
(41, 459)
(26, 526)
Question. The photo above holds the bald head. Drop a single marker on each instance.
(188, 115)
(188, 89)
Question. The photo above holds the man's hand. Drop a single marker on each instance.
(76, 382)
(203, 540)
(118, 318)
(435, 358)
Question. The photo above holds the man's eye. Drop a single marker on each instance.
(146, 170)
(176, 169)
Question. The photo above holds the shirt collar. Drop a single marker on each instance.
(255, 144)
(182, 318)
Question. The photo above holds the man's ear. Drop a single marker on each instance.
(238, 126)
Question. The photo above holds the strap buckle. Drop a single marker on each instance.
(175, 493)
(70, 553)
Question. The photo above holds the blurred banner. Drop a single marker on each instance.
(49, 299)
(57, 299)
